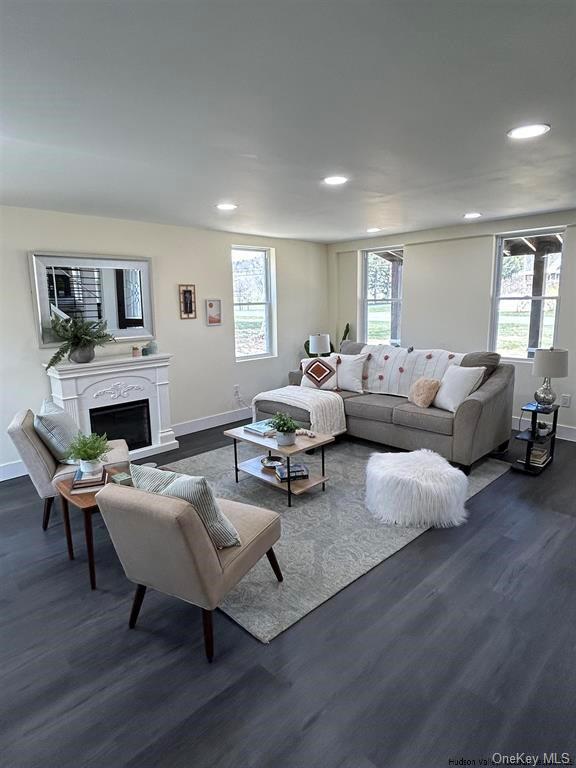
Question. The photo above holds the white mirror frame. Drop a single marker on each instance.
(37, 262)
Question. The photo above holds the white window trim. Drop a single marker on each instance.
(497, 275)
(363, 302)
(272, 350)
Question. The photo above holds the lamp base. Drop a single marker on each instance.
(545, 395)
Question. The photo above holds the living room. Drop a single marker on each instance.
(359, 216)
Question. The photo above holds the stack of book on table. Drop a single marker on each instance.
(297, 472)
(538, 457)
(261, 428)
(88, 482)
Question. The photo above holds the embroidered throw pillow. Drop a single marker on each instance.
(457, 383)
(350, 371)
(194, 490)
(423, 392)
(56, 429)
(319, 372)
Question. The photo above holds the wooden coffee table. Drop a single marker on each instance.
(255, 468)
(86, 502)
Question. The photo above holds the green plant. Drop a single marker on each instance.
(76, 332)
(283, 423)
(88, 447)
(345, 334)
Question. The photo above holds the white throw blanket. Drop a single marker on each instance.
(326, 408)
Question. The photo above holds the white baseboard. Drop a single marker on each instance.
(206, 422)
(12, 469)
(562, 432)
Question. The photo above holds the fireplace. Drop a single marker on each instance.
(124, 421)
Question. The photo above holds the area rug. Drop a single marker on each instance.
(328, 539)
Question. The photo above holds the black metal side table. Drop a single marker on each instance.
(531, 438)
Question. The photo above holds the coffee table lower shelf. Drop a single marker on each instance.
(254, 467)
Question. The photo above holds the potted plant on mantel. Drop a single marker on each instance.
(89, 450)
(285, 427)
(80, 337)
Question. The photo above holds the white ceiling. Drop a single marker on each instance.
(157, 110)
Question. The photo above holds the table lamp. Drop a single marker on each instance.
(551, 364)
(319, 344)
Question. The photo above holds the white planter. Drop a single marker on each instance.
(90, 466)
(285, 438)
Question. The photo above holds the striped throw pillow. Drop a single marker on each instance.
(151, 479)
(56, 429)
(194, 490)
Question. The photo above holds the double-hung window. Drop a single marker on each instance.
(526, 292)
(254, 302)
(381, 295)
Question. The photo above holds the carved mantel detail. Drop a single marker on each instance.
(118, 389)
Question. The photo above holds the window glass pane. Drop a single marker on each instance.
(378, 277)
(517, 318)
(249, 276)
(383, 322)
(552, 274)
(517, 274)
(251, 329)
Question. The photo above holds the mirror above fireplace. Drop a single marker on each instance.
(92, 287)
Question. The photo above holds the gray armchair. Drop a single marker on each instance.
(42, 467)
(162, 543)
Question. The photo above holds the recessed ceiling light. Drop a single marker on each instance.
(335, 181)
(528, 131)
(472, 215)
(371, 230)
(226, 206)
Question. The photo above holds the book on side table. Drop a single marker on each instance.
(261, 428)
(88, 482)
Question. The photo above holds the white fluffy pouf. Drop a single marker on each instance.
(418, 489)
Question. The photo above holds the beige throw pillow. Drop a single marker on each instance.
(423, 392)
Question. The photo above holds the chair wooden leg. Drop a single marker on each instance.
(274, 563)
(136, 605)
(47, 509)
(208, 634)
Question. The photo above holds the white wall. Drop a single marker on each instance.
(204, 369)
(447, 285)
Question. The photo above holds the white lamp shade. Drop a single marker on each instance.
(550, 362)
(319, 344)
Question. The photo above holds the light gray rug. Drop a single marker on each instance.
(328, 539)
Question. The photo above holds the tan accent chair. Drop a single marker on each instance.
(42, 467)
(162, 543)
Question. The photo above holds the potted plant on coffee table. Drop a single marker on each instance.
(80, 337)
(89, 450)
(285, 427)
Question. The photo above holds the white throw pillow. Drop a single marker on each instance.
(457, 383)
(350, 372)
(319, 372)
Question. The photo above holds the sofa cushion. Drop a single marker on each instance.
(373, 407)
(57, 429)
(488, 360)
(428, 419)
(270, 407)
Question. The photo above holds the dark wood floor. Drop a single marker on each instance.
(461, 645)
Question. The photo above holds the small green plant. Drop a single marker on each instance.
(76, 332)
(88, 447)
(283, 423)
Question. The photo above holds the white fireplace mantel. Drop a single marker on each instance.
(80, 387)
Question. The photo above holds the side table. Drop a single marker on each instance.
(531, 438)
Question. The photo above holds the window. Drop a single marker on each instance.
(382, 296)
(254, 302)
(526, 293)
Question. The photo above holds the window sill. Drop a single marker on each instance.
(254, 359)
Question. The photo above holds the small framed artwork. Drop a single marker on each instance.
(213, 311)
(187, 302)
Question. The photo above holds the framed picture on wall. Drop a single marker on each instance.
(187, 302)
(213, 311)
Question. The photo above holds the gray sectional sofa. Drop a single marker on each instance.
(480, 426)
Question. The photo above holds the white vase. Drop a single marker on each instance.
(285, 438)
(90, 466)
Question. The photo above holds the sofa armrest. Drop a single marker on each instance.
(294, 378)
(484, 420)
